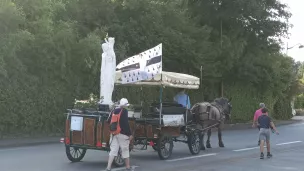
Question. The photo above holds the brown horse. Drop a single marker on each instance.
(210, 115)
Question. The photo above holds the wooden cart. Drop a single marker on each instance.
(93, 132)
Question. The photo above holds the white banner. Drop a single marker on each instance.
(173, 120)
(76, 123)
(143, 66)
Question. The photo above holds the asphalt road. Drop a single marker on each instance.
(240, 154)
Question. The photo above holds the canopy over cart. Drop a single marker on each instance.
(167, 79)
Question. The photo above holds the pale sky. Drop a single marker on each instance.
(297, 32)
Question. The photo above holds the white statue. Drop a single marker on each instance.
(108, 69)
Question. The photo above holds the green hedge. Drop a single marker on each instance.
(282, 109)
(246, 101)
(37, 111)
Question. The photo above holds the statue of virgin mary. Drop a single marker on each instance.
(107, 71)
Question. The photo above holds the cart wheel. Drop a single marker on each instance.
(194, 142)
(164, 147)
(75, 154)
(155, 147)
(119, 161)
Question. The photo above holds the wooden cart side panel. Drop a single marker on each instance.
(173, 131)
(77, 137)
(67, 129)
(132, 126)
(99, 132)
(106, 132)
(149, 131)
(89, 131)
(139, 130)
(144, 130)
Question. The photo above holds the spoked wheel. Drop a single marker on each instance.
(194, 142)
(75, 154)
(164, 147)
(119, 161)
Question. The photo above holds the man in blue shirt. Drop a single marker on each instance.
(183, 99)
(265, 123)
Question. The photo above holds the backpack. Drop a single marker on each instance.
(114, 124)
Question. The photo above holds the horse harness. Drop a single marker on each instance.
(207, 112)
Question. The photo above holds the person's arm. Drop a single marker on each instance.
(189, 104)
(124, 122)
(272, 126)
(254, 122)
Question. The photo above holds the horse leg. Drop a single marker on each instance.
(202, 141)
(219, 134)
(208, 145)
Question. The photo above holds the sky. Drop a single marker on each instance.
(297, 32)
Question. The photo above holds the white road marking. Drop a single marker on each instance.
(17, 148)
(246, 149)
(252, 148)
(293, 142)
(193, 157)
(300, 124)
(282, 168)
(122, 168)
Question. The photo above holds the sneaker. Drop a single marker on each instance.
(262, 156)
(129, 169)
(269, 155)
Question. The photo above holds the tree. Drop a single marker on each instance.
(50, 53)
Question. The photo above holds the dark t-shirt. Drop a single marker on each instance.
(264, 121)
(123, 122)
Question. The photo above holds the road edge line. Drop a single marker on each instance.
(192, 157)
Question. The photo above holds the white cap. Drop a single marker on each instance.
(123, 102)
(262, 105)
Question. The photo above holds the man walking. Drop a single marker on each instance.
(257, 114)
(265, 125)
(120, 134)
(183, 99)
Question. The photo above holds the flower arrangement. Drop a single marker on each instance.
(90, 103)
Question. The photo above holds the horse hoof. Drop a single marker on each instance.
(208, 146)
(221, 145)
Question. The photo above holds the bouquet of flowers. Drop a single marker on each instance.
(90, 103)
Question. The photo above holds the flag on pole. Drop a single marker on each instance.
(143, 66)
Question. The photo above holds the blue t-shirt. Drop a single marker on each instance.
(183, 99)
(264, 121)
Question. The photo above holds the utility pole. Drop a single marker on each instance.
(222, 81)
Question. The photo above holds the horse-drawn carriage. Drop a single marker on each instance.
(161, 126)
(166, 122)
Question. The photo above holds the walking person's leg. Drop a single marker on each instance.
(259, 137)
(124, 142)
(262, 149)
(268, 144)
(114, 147)
(262, 138)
